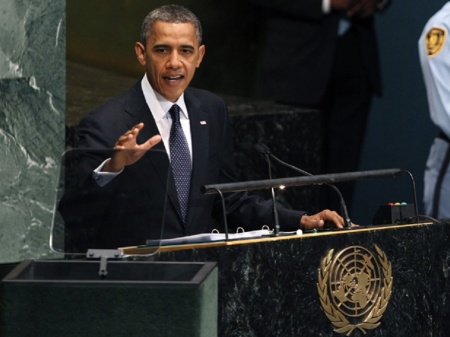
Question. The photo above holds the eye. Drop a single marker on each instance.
(161, 50)
(186, 51)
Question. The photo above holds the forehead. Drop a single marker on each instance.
(169, 32)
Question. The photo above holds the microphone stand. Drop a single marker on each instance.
(413, 183)
(276, 230)
(299, 181)
(267, 153)
(327, 179)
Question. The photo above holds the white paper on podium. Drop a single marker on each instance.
(213, 237)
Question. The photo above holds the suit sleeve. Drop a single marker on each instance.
(84, 202)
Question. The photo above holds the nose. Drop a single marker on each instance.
(174, 61)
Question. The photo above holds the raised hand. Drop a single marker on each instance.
(128, 151)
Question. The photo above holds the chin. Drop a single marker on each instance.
(173, 96)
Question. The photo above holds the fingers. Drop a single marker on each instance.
(335, 218)
(123, 140)
(315, 222)
(318, 220)
(311, 222)
(134, 151)
(129, 137)
(139, 126)
(152, 142)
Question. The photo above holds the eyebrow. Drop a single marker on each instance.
(162, 45)
(187, 46)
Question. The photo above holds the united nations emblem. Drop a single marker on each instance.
(435, 40)
(354, 286)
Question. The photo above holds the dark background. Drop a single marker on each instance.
(101, 35)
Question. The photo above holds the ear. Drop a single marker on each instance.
(139, 48)
(201, 53)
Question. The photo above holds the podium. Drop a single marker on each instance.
(278, 286)
(68, 298)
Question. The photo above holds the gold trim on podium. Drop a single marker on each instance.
(143, 250)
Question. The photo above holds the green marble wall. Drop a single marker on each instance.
(32, 105)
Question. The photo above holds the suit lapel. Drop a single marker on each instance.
(200, 147)
(139, 111)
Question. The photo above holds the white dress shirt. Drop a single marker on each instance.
(159, 107)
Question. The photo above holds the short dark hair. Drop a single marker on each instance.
(173, 14)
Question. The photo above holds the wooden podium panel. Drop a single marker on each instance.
(380, 281)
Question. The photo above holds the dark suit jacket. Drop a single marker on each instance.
(300, 45)
(133, 206)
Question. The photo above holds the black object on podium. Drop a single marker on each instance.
(395, 214)
(136, 298)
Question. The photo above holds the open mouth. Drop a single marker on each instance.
(173, 78)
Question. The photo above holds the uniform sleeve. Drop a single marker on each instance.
(434, 53)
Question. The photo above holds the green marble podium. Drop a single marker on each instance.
(388, 281)
(136, 298)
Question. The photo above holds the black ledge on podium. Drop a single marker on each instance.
(136, 298)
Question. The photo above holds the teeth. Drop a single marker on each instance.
(172, 78)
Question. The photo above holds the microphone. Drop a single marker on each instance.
(299, 181)
(274, 202)
(264, 150)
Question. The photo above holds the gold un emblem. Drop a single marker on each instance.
(354, 287)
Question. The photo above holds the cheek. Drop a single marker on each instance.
(155, 71)
(191, 69)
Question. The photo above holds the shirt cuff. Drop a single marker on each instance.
(103, 178)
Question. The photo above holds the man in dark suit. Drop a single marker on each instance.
(322, 54)
(118, 198)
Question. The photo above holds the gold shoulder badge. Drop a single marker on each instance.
(354, 286)
(435, 40)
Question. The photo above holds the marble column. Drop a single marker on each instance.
(32, 104)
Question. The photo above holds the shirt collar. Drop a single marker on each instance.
(159, 106)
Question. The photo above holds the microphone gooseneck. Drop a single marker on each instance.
(260, 148)
(264, 149)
